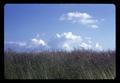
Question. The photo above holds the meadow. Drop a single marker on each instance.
(78, 64)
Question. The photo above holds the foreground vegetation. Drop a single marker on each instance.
(78, 64)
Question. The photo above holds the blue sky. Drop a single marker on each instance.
(69, 24)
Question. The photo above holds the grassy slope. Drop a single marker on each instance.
(60, 65)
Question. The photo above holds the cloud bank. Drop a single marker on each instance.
(64, 41)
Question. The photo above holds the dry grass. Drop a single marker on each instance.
(78, 64)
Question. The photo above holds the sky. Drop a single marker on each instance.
(60, 26)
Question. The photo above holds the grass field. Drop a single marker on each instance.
(78, 64)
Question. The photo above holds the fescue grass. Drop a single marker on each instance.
(78, 64)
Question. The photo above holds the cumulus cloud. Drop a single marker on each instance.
(38, 42)
(79, 17)
(69, 36)
(69, 41)
(98, 46)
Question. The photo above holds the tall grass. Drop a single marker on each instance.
(78, 64)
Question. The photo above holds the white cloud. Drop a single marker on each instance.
(33, 43)
(38, 42)
(69, 41)
(58, 35)
(85, 45)
(69, 36)
(79, 17)
(66, 41)
(67, 47)
(98, 46)
(87, 21)
(17, 43)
